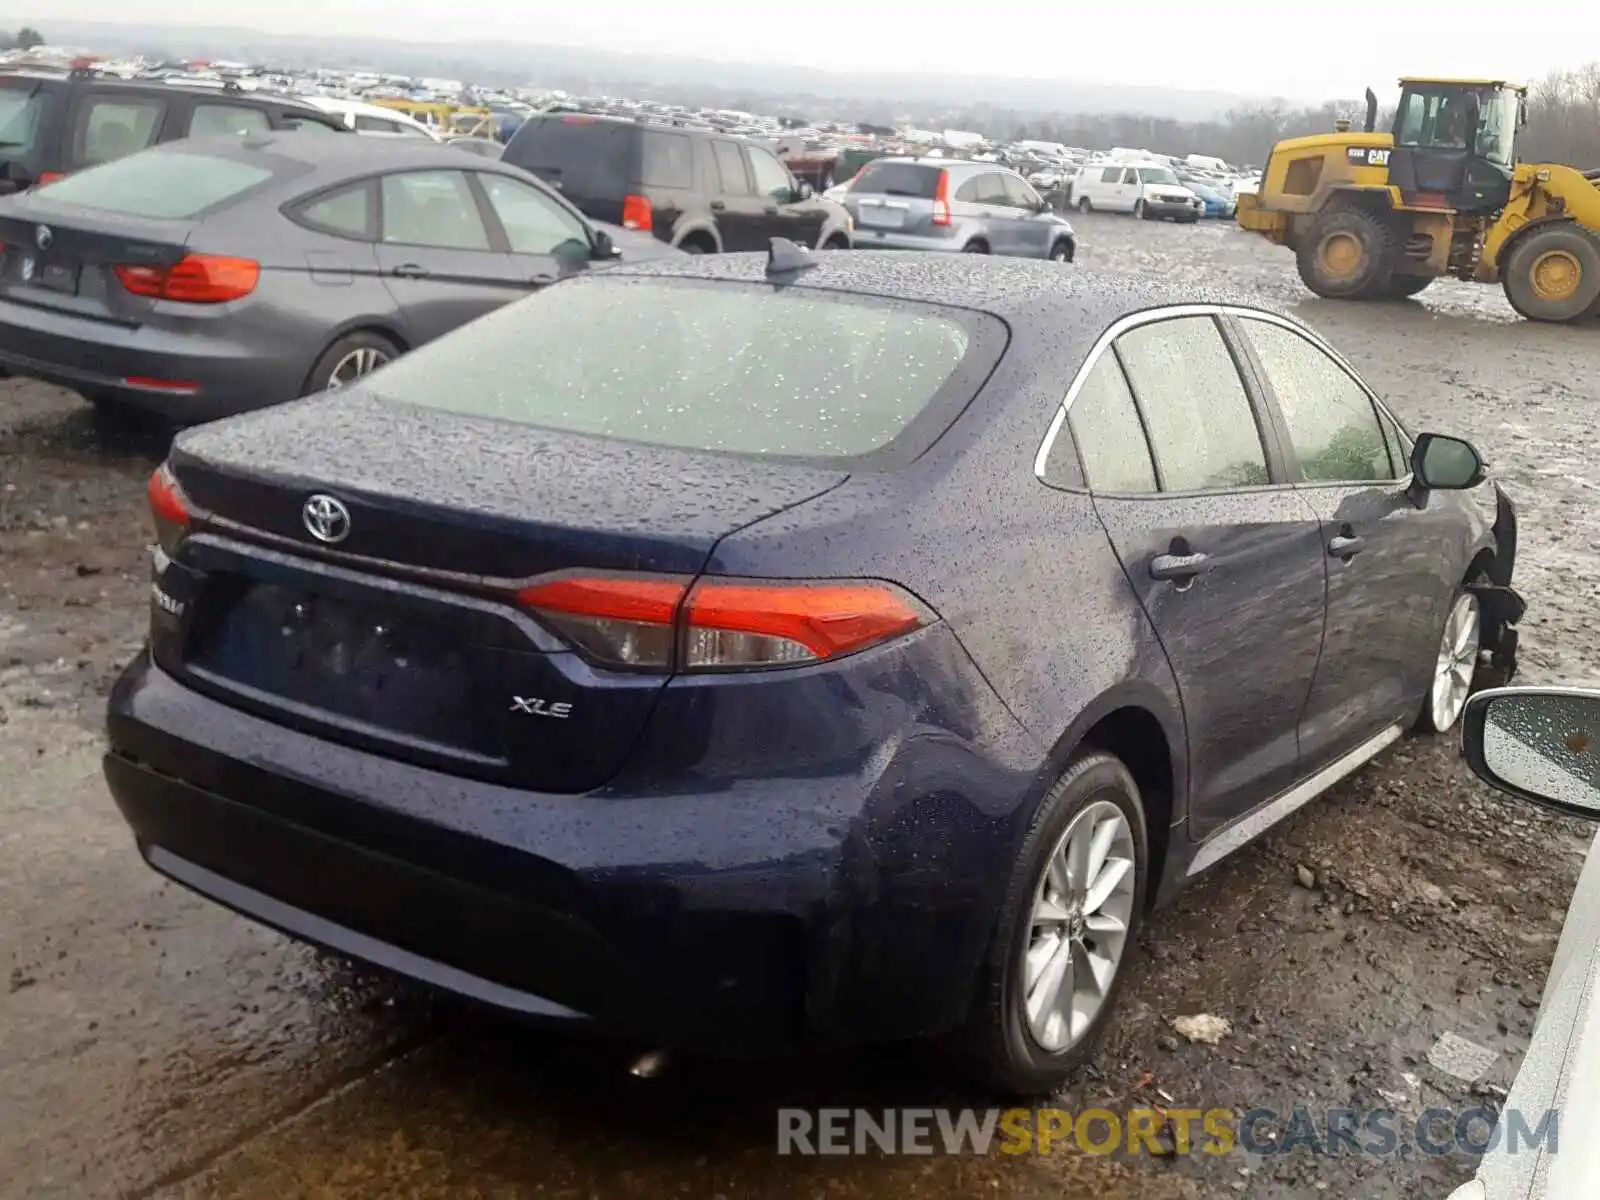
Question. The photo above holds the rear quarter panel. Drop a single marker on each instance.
(1023, 573)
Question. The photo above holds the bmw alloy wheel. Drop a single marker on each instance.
(359, 362)
(1456, 662)
(1082, 909)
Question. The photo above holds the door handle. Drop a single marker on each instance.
(717, 206)
(1345, 546)
(1179, 566)
(410, 271)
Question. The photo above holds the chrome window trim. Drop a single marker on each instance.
(1151, 316)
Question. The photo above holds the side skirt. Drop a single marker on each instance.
(1263, 817)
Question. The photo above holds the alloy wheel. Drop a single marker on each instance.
(359, 362)
(1082, 910)
(1456, 663)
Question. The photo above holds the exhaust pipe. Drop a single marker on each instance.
(1372, 110)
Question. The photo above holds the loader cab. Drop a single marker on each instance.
(1455, 143)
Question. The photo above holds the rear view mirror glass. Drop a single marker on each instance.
(1443, 463)
(1542, 744)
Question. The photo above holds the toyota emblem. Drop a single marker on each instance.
(42, 237)
(326, 519)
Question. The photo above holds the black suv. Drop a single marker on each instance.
(697, 189)
(52, 123)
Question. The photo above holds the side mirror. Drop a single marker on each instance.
(604, 248)
(1443, 463)
(804, 191)
(1538, 743)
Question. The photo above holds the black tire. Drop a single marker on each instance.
(999, 1048)
(1425, 722)
(692, 247)
(835, 242)
(1140, 212)
(321, 377)
(1085, 205)
(1061, 252)
(1401, 286)
(975, 247)
(1575, 255)
(1348, 254)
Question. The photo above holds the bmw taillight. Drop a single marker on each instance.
(637, 213)
(670, 623)
(941, 199)
(169, 509)
(193, 279)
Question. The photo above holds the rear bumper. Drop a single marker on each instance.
(748, 916)
(867, 238)
(184, 378)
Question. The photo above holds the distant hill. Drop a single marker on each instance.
(673, 78)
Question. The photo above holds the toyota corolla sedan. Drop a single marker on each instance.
(783, 651)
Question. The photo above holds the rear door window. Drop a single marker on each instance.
(899, 179)
(731, 170)
(432, 208)
(210, 120)
(110, 127)
(668, 160)
(1201, 423)
(162, 186)
(1111, 175)
(1110, 439)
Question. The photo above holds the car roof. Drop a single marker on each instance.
(118, 84)
(1027, 295)
(942, 164)
(340, 155)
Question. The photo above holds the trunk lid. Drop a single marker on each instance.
(65, 258)
(403, 637)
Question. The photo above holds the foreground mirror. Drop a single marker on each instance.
(1542, 744)
(1443, 463)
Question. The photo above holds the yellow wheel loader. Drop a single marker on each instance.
(1371, 215)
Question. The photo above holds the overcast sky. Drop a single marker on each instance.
(1292, 49)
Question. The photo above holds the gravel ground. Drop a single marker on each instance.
(152, 1045)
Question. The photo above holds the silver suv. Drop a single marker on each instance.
(935, 204)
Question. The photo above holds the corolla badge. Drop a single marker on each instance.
(43, 237)
(326, 519)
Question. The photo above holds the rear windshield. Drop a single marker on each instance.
(561, 149)
(163, 186)
(741, 369)
(21, 105)
(899, 179)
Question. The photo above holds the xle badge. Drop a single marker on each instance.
(536, 707)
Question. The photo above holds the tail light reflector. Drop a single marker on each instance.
(662, 623)
(49, 177)
(194, 279)
(638, 214)
(941, 199)
(169, 508)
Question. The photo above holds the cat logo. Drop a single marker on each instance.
(1373, 156)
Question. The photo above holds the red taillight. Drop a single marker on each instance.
(168, 507)
(637, 214)
(941, 199)
(194, 279)
(661, 623)
(50, 177)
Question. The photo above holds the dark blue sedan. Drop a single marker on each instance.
(758, 654)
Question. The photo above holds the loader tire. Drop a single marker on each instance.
(1401, 286)
(1347, 255)
(1553, 274)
